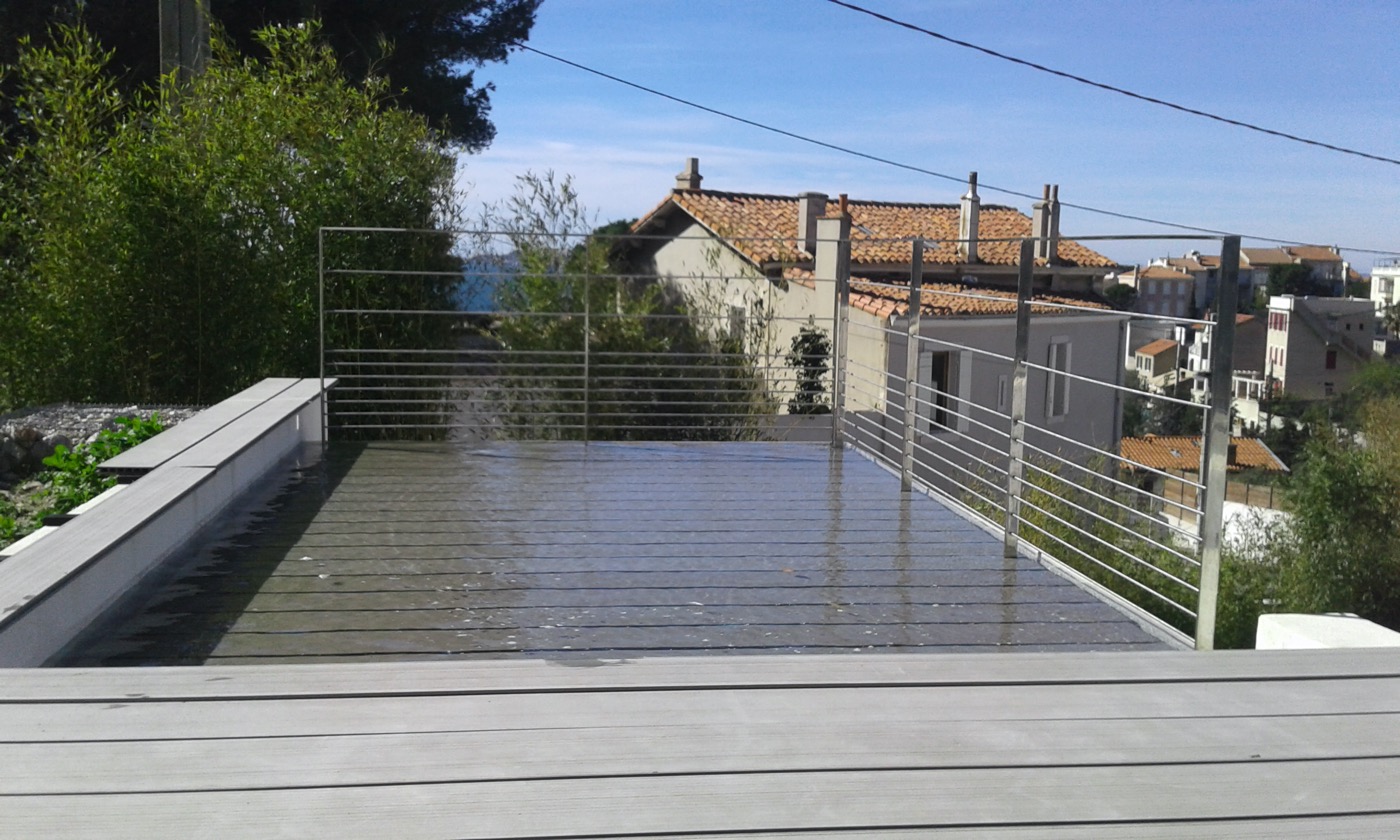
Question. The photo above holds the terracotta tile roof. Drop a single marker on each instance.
(953, 300)
(1184, 453)
(1185, 264)
(1266, 256)
(1157, 348)
(1314, 253)
(1241, 319)
(1161, 272)
(762, 228)
(1209, 260)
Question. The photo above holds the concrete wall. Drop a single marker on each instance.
(57, 587)
(981, 392)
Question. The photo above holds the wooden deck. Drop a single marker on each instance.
(1287, 744)
(559, 550)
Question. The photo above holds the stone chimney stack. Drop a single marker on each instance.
(967, 220)
(689, 178)
(1045, 224)
(810, 207)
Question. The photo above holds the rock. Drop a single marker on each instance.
(11, 455)
(27, 435)
(57, 439)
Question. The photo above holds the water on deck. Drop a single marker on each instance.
(561, 550)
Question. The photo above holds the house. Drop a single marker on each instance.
(1169, 468)
(1158, 363)
(1327, 269)
(1246, 362)
(765, 265)
(1314, 345)
(1162, 290)
(1385, 283)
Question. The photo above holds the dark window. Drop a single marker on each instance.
(1331, 359)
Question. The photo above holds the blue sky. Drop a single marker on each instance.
(1328, 70)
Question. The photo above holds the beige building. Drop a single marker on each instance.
(765, 265)
(1314, 344)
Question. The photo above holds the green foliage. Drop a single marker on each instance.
(1135, 406)
(178, 232)
(1106, 532)
(72, 474)
(1174, 418)
(651, 374)
(1293, 280)
(427, 51)
(1390, 318)
(1121, 296)
(810, 357)
(9, 522)
(1340, 549)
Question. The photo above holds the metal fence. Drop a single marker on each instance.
(1010, 403)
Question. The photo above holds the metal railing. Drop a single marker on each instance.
(1010, 403)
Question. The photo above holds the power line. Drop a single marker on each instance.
(1111, 88)
(909, 167)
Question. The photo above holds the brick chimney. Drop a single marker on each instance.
(689, 178)
(1045, 224)
(810, 207)
(967, 220)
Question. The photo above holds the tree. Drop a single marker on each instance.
(1120, 296)
(590, 353)
(1339, 550)
(1390, 318)
(1174, 418)
(161, 253)
(428, 49)
(1292, 280)
(810, 357)
(1135, 406)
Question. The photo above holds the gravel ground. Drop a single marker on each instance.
(30, 435)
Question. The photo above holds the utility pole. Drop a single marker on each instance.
(184, 38)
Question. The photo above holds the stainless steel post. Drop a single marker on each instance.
(1016, 450)
(587, 328)
(911, 365)
(839, 338)
(1215, 454)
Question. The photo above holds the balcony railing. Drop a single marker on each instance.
(1008, 403)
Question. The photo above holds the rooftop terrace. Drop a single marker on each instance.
(567, 550)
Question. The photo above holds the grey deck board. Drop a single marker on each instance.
(1283, 744)
(100, 685)
(617, 747)
(136, 719)
(723, 802)
(603, 549)
(165, 446)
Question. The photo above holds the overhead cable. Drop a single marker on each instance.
(1114, 89)
(909, 166)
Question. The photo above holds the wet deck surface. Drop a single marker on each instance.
(557, 550)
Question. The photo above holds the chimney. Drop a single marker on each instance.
(689, 178)
(810, 207)
(967, 220)
(1045, 224)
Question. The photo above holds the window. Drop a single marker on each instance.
(1327, 389)
(935, 386)
(738, 315)
(1056, 383)
(1331, 359)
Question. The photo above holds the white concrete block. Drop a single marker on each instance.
(1293, 631)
